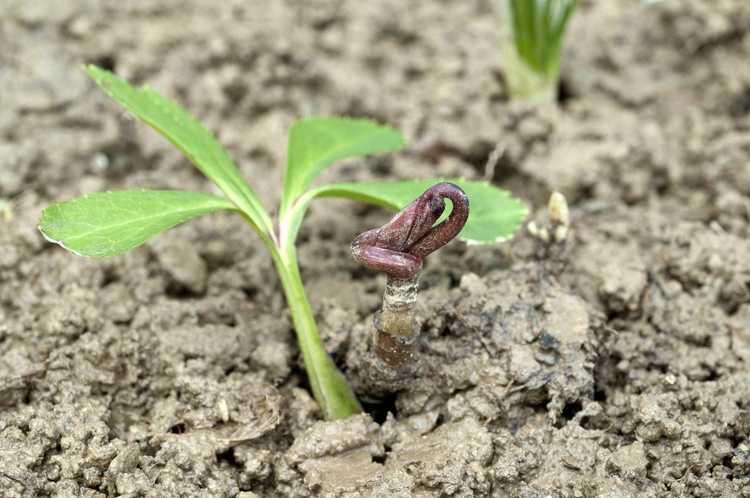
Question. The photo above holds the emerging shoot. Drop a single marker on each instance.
(6, 210)
(397, 249)
(552, 239)
(532, 54)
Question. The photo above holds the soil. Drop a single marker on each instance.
(619, 369)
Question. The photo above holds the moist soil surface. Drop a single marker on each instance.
(618, 366)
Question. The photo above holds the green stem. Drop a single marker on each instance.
(330, 388)
(524, 83)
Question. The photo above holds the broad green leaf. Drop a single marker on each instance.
(190, 137)
(110, 223)
(494, 215)
(316, 143)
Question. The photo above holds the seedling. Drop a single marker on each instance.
(552, 239)
(6, 210)
(110, 223)
(532, 56)
(558, 217)
(397, 249)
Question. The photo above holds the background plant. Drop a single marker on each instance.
(110, 223)
(532, 63)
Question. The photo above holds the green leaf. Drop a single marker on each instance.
(188, 135)
(538, 27)
(316, 143)
(110, 223)
(494, 215)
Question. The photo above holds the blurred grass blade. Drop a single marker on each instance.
(188, 135)
(316, 143)
(110, 223)
(494, 215)
(537, 29)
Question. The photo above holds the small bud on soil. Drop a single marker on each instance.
(559, 216)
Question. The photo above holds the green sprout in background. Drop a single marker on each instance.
(532, 55)
(6, 210)
(110, 223)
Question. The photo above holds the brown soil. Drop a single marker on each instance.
(621, 371)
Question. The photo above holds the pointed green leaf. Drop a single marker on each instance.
(494, 215)
(316, 143)
(188, 135)
(110, 223)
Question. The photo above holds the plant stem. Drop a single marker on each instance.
(330, 388)
(524, 83)
(395, 329)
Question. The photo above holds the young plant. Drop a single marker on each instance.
(6, 210)
(397, 249)
(532, 56)
(110, 223)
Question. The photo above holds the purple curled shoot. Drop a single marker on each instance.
(398, 247)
